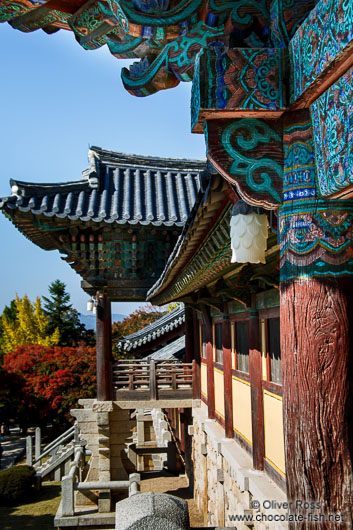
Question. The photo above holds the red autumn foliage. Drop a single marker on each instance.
(54, 378)
(139, 319)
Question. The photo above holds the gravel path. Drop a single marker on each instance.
(166, 483)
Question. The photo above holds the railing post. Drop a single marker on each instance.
(37, 443)
(171, 457)
(67, 495)
(194, 383)
(29, 450)
(76, 433)
(153, 382)
(174, 384)
(135, 481)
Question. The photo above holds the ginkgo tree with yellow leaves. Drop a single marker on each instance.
(30, 326)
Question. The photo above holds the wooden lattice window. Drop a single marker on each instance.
(218, 343)
(242, 345)
(274, 351)
(203, 341)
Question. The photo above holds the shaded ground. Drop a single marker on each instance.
(37, 513)
(39, 508)
(164, 482)
(14, 447)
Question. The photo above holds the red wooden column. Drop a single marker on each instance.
(104, 349)
(209, 359)
(189, 335)
(197, 357)
(316, 333)
(255, 373)
(317, 368)
(227, 373)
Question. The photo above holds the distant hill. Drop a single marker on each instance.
(90, 320)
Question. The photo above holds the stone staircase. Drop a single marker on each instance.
(57, 465)
(54, 461)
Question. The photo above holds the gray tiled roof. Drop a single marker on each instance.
(116, 188)
(173, 350)
(163, 325)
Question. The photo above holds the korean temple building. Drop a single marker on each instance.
(256, 241)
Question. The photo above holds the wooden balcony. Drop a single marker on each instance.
(154, 381)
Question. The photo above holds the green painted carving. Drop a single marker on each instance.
(39, 18)
(316, 236)
(248, 153)
(180, 12)
(242, 12)
(316, 239)
(325, 37)
(166, 35)
(332, 119)
(175, 63)
(237, 79)
(92, 23)
(286, 17)
(10, 10)
(248, 135)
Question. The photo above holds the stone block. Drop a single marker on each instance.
(102, 418)
(121, 426)
(86, 403)
(120, 438)
(104, 501)
(103, 406)
(220, 475)
(104, 476)
(83, 415)
(243, 479)
(104, 440)
(152, 511)
(89, 427)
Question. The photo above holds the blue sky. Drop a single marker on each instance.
(56, 100)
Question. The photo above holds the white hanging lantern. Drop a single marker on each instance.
(90, 305)
(248, 233)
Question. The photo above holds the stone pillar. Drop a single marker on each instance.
(37, 443)
(316, 336)
(104, 349)
(103, 410)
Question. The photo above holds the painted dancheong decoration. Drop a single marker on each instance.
(272, 95)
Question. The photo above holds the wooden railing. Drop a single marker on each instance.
(151, 380)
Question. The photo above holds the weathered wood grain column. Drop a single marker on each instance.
(104, 349)
(316, 333)
(255, 373)
(227, 373)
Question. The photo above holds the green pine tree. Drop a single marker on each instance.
(63, 316)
